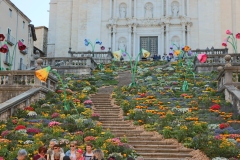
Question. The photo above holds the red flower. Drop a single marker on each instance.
(238, 35)
(224, 44)
(29, 108)
(4, 49)
(143, 95)
(59, 91)
(228, 32)
(14, 121)
(223, 125)
(21, 46)
(2, 37)
(20, 127)
(215, 107)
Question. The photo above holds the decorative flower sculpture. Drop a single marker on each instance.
(232, 40)
(2, 37)
(180, 53)
(42, 74)
(202, 57)
(4, 49)
(21, 46)
(87, 42)
(118, 54)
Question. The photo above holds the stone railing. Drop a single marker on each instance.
(99, 57)
(215, 60)
(77, 65)
(210, 51)
(14, 83)
(21, 101)
(229, 82)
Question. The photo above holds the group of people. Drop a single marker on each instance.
(55, 152)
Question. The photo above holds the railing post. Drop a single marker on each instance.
(228, 73)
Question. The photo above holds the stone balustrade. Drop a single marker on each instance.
(75, 65)
(99, 57)
(213, 61)
(14, 83)
(229, 81)
(21, 101)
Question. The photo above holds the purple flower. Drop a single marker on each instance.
(124, 54)
(98, 42)
(86, 42)
(189, 53)
(102, 48)
(171, 47)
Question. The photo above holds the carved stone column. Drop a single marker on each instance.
(167, 39)
(115, 8)
(114, 38)
(188, 34)
(111, 9)
(135, 8)
(187, 7)
(167, 8)
(162, 7)
(129, 48)
(109, 36)
(183, 34)
(163, 42)
(183, 8)
(129, 8)
(134, 39)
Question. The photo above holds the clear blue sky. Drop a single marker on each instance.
(36, 10)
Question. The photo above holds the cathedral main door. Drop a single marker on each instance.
(150, 44)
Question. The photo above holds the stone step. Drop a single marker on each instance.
(110, 120)
(164, 158)
(126, 132)
(140, 146)
(109, 116)
(148, 139)
(108, 109)
(105, 107)
(161, 150)
(146, 142)
(103, 104)
(164, 155)
(132, 135)
(124, 124)
(99, 96)
(119, 128)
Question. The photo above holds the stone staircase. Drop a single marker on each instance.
(146, 144)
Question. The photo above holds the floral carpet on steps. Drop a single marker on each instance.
(198, 117)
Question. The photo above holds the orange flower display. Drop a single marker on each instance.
(42, 74)
(186, 48)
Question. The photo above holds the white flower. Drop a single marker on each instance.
(32, 113)
(219, 158)
(22, 131)
(28, 142)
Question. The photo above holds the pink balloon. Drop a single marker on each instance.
(202, 57)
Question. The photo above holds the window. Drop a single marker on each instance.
(23, 24)
(10, 12)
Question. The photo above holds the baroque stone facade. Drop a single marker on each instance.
(133, 24)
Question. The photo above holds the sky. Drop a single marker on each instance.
(36, 10)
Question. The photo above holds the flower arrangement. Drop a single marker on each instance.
(29, 108)
(95, 116)
(55, 115)
(89, 138)
(232, 40)
(215, 107)
(88, 102)
(20, 127)
(33, 131)
(223, 125)
(53, 123)
(32, 113)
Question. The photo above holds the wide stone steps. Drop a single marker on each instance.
(145, 144)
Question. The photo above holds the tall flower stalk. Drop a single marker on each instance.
(117, 55)
(87, 42)
(232, 40)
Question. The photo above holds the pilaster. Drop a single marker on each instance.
(167, 39)
(114, 38)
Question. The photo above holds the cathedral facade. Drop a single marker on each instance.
(134, 24)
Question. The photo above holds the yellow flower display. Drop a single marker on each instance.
(42, 74)
(117, 55)
(145, 53)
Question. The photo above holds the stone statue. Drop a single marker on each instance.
(175, 10)
(148, 11)
(122, 11)
(121, 45)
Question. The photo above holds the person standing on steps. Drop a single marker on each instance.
(89, 153)
(98, 155)
(72, 152)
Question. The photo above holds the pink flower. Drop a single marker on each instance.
(202, 57)
(55, 115)
(53, 123)
(87, 102)
(238, 35)
(224, 44)
(228, 32)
